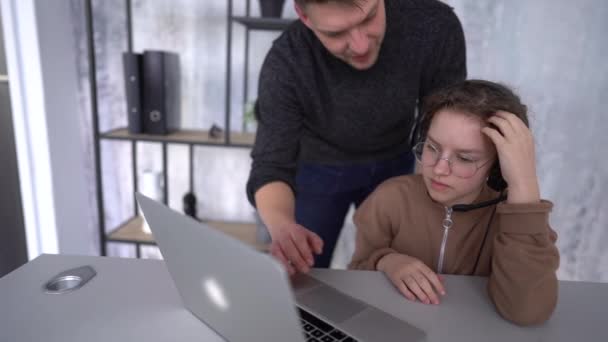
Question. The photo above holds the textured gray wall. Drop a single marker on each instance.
(551, 51)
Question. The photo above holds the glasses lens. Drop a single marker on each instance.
(463, 168)
(428, 154)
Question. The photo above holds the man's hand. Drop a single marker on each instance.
(412, 277)
(293, 245)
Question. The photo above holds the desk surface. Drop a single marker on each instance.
(132, 299)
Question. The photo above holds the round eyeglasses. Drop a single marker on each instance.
(427, 154)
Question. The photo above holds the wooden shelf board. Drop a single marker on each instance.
(132, 231)
(185, 136)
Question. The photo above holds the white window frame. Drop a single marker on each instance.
(30, 126)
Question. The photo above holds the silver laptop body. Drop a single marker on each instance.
(245, 295)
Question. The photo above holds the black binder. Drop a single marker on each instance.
(132, 63)
(161, 105)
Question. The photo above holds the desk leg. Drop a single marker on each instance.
(138, 251)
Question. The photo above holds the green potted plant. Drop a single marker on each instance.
(249, 121)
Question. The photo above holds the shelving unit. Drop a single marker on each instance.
(131, 231)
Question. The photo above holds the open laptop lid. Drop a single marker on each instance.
(238, 292)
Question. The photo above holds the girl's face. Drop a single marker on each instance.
(457, 137)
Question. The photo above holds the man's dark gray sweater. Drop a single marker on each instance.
(314, 107)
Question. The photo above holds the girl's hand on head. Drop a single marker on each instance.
(412, 278)
(515, 147)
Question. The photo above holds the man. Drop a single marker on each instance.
(337, 99)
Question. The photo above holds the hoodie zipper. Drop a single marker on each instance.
(446, 224)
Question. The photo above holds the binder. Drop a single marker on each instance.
(161, 103)
(132, 63)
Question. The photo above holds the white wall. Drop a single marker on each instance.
(553, 52)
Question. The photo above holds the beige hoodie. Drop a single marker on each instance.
(519, 254)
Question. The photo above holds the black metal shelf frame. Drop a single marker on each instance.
(250, 23)
(263, 24)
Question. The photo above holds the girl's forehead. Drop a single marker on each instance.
(458, 130)
(457, 116)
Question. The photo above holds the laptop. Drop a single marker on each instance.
(245, 295)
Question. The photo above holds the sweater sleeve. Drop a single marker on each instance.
(375, 230)
(523, 283)
(279, 129)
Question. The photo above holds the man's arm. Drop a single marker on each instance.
(276, 204)
(271, 185)
(279, 118)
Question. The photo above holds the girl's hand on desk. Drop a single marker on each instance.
(412, 277)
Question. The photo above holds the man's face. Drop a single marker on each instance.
(352, 33)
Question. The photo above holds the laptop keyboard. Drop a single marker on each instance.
(317, 330)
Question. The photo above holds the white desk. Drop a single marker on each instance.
(135, 300)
